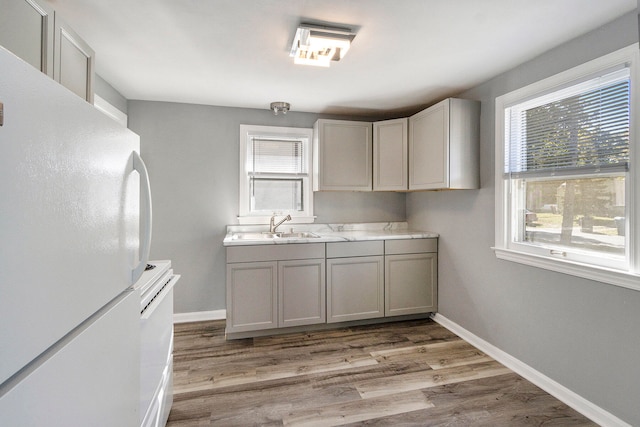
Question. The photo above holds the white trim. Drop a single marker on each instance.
(253, 220)
(586, 271)
(557, 390)
(107, 108)
(199, 316)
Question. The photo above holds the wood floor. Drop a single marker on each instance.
(413, 373)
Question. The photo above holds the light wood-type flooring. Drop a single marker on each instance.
(412, 373)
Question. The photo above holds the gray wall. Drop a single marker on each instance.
(581, 333)
(192, 154)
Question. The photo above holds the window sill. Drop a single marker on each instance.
(257, 220)
(585, 271)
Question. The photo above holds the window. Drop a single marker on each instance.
(565, 172)
(275, 164)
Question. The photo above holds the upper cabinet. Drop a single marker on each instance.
(73, 61)
(38, 35)
(26, 29)
(435, 149)
(342, 155)
(390, 159)
(444, 146)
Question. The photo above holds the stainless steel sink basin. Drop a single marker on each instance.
(300, 235)
(271, 236)
(253, 236)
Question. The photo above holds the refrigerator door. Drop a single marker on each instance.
(90, 378)
(69, 215)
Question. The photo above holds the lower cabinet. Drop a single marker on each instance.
(275, 286)
(252, 296)
(301, 292)
(355, 281)
(411, 277)
(279, 286)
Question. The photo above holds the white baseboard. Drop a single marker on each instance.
(199, 316)
(560, 392)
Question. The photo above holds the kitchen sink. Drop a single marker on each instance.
(253, 236)
(271, 236)
(300, 235)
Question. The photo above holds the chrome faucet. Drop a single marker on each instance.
(272, 226)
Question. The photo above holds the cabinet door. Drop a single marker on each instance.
(355, 288)
(252, 291)
(26, 29)
(464, 144)
(74, 61)
(301, 292)
(410, 284)
(343, 155)
(390, 155)
(429, 148)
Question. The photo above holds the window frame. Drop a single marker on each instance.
(247, 132)
(505, 248)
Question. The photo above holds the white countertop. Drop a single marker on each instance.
(328, 233)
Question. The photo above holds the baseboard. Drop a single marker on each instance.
(199, 316)
(560, 392)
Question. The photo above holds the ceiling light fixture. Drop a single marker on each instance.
(319, 45)
(277, 107)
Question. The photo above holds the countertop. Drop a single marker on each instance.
(328, 233)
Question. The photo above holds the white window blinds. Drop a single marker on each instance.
(276, 156)
(580, 129)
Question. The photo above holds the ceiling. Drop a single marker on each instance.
(406, 54)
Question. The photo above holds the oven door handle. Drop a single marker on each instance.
(157, 299)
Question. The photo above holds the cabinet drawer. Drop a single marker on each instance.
(410, 246)
(275, 252)
(350, 249)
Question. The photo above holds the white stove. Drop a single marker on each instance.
(156, 342)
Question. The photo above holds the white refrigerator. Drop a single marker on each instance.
(75, 228)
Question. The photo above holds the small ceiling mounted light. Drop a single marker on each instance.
(278, 107)
(319, 45)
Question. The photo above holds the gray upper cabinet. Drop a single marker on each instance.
(26, 29)
(342, 155)
(73, 61)
(37, 34)
(444, 146)
(390, 155)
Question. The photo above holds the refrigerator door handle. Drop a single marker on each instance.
(145, 190)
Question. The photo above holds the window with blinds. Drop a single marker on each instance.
(274, 175)
(277, 171)
(564, 166)
(272, 156)
(580, 129)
